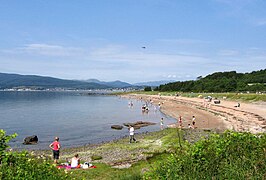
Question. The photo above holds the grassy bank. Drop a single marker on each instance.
(242, 97)
(151, 148)
(168, 154)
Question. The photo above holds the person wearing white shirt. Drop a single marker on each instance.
(131, 134)
(75, 161)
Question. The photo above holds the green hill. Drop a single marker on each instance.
(39, 82)
(221, 82)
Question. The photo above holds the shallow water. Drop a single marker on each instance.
(76, 117)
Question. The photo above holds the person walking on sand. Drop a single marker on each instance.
(161, 124)
(131, 134)
(193, 121)
(55, 146)
(180, 121)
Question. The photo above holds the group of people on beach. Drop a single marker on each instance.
(180, 123)
(75, 161)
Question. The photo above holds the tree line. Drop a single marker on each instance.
(221, 82)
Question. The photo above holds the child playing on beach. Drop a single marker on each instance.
(189, 126)
(180, 121)
(55, 146)
(161, 124)
(193, 121)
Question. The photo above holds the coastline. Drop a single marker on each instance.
(249, 117)
(120, 154)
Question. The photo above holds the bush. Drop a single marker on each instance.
(230, 155)
(96, 157)
(22, 165)
(148, 88)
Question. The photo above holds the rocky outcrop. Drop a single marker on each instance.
(117, 127)
(31, 140)
(139, 124)
(136, 125)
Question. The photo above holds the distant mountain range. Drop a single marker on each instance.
(8, 81)
(113, 84)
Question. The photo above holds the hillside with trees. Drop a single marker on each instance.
(221, 82)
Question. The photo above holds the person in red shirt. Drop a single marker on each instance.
(55, 146)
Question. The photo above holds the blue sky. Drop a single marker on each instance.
(103, 39)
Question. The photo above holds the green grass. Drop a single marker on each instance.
(147, 143)
(106, 172)
(243, 97)
(168, 156)
(230, 155)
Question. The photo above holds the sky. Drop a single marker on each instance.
(132, 40)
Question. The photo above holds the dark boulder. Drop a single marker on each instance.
(216, 101)
(30, 140)
(117, 127)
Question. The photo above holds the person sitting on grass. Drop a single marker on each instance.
(75, 161)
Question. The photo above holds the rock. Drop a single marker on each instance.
(30, 140)
(216, 101)
(139, 124)
(117, 127)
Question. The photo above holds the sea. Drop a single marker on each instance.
(78, 118)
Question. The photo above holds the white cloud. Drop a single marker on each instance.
(46, 50)
(228, 52)
(183, 41)
(260, 22)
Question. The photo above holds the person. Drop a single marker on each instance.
(238, 105)
(131, 134)
(180, 121)
(189, 126)
(75, 161)
(55, 146)
(193, 121)
(161, 124)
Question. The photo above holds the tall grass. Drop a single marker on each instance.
(230, 155)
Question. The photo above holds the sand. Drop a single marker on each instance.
(248, 117)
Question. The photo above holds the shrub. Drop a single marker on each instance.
(96, 157)
(230, 155)
(22, 165)
(148, 88)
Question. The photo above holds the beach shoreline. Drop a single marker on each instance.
(249, 117)
(215, 118)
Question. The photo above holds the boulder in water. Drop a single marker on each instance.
(117, 127)
(30, 140)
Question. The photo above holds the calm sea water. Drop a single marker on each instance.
(76, 117)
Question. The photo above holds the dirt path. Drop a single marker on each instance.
(247, 117)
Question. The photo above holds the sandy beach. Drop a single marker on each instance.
(248, 117)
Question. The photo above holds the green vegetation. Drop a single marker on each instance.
(95, 157)
(230, 155)
(148, 88)
(168, 155)
(244, 97)
(22, 165)
(221, 82)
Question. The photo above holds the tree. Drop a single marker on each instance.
(147, 88)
